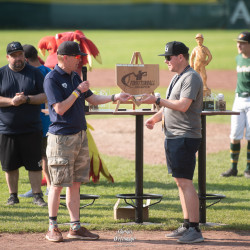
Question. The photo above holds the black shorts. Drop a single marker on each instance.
(180, 154)
(21, 150)
(44, 146)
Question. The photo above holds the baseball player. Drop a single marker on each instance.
(242, 105)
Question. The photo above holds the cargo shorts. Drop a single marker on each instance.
(68, 159)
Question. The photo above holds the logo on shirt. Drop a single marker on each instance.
(64, 85)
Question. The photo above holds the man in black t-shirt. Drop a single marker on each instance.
(21, 93)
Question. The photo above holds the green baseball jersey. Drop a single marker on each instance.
(243, 74)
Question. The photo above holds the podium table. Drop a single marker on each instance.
(138, 196)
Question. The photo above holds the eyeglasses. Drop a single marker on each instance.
(77, 56)
(168, 58)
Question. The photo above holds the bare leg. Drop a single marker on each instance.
(12, 180)
(54, 200)
(191, 200)
(35, 181)
(45, 170)
(73, 201)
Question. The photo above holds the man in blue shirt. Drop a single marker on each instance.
(67, 149)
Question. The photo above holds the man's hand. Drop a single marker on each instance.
(83, 86)
(19, 99)
(148, 99)
(150, 123)
(123, 97)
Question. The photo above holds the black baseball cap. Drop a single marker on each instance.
(175, 48)
(70, 48)
(29, 51)
(14, 47)
(244, 37)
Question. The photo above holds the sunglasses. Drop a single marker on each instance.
(168, 58)
(77, 56)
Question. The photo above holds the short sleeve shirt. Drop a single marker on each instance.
(185, 124)
(24, 118)
(58, 86)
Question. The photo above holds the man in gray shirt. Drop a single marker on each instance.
(182, 125)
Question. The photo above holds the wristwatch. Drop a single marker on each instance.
(157, 102)
(27, 99)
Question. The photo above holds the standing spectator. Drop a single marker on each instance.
(21, 93)
(31, 56)
(182, 125)
(241, 104)
(67, 150)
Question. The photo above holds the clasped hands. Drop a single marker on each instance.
(19, 99)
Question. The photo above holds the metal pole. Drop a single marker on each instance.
(202, 171)
(139, 168)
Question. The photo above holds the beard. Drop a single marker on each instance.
(18, 65)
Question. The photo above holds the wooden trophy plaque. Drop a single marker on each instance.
(137, 79)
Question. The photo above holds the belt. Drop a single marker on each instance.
(243, 94)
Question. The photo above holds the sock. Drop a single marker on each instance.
(195, 225)
(52, 222)
(186, 223)
(234, 153)
(248, 156)
(75, 225)
(14, 194)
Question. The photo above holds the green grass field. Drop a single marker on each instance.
(117, 47)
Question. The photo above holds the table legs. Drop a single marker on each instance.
(139, 168)
(202, 171)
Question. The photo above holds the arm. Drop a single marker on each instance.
(154, 119)
(192, 58)
(101, 99)
(61, 107)
(209, 56)
(181, 105)
(20, 98)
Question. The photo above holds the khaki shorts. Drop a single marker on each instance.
(68, 159)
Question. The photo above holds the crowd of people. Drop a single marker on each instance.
(55, 144)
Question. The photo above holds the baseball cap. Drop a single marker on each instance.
(70, 48)
(175, 48)
(29, 51)
(14, 47)
(244, 37)
(199, 35)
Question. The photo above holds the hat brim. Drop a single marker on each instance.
(9, 53)
(241, 41)
(166, 54)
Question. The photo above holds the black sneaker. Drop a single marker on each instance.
(38, 200)
(13, 199)
(230, 172)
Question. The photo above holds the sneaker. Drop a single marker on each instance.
(54, 235)
(191, 236)
(83, 234)
(12, 200)
(38, 200)
(177, 233)
(230, 172)
(28, 194)
(247, 173)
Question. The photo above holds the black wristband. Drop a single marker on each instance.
(27, 99)
(158, 100)
(113, 98)
(78, 90)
